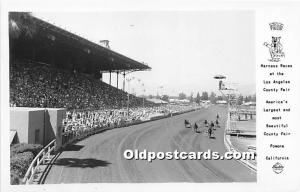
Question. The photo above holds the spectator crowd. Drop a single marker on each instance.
(39, 85)
(82, 121)
(90, 103)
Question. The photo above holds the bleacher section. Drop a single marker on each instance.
(40, 85)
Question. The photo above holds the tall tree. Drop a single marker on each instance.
(181, 96)
(191, 98)
(204, 96)
(240, 100)
(198, 98)
(246, 99)
(165, 98)
(254, 98)
(219, 98)
(212, 97)
(250, 98)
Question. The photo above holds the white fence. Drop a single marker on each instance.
(43, 155)
(229, 146)
(68, 138)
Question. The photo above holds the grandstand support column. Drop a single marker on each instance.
(124, 81)
(109, 77)
(118, 80)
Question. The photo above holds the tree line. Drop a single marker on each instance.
(205, 96)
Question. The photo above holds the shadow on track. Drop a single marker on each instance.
(81, 163)
(73, 147)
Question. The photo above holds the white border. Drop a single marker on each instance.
(134, 5)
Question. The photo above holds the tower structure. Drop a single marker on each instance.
(231, 94)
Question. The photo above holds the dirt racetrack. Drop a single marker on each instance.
(99, 158)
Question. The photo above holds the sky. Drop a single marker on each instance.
(184, 49)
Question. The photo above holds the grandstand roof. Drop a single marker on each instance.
(88, 56)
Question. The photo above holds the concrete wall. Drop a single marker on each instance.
(53, 121)
(27, 120)
(19, 122)
(36, 122)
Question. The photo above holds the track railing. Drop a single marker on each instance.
(43, 155)
(67, 138)
(74, 135)
(230, 147)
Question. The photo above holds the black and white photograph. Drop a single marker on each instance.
(132, 97)
(140, 96)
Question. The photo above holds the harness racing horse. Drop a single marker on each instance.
(187, 124)
(196, 128)
(217, 123)
(209, 131)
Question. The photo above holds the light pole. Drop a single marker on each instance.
(160, 88)
(143, 90)
(231, 97)
(128, 94)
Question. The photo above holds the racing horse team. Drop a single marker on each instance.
(210, 126)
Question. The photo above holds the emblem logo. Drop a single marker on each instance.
(276, 26)
(275, 49)
(277, 168)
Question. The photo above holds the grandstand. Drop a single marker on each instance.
(51, 67)
(36, 85)
(56, 70)
(57, 95)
